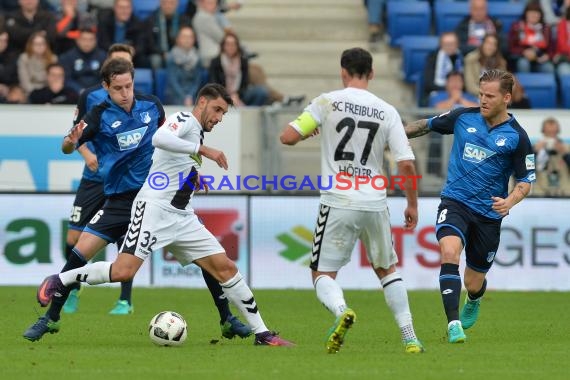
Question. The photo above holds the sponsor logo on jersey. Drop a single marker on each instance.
(131, 139)
(116, 124)
(529, 161)
(501, 140)
(145, 117)
(475, 153)
(471, 130)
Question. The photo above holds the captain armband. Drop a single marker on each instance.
(305, 124)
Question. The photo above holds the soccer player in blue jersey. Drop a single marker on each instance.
(90, 197)
(489, 146)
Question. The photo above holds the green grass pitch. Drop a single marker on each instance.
(518, 336)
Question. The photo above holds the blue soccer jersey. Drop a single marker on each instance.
(89, 98)
(483, 159)
(123, 141)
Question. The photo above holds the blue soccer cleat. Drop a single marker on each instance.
(122, 307)
(42, 326)
(469, 312)
(337, 332)
(455, 333)
(233, 326)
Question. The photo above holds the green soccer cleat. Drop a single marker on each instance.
(337, 333)
(414, 346)
(469, 312)
(234, 327)
(122, 307)
(72, 303)
(455, 332)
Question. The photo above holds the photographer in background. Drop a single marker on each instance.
(552, 161)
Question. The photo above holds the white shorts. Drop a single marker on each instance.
(152, 228)
(337, 231)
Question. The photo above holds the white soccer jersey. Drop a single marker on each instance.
(355, 127)
(165, 183)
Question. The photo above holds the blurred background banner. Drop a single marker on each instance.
(270, 238)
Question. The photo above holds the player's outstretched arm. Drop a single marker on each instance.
(215, 155)
(417, 128)
(70, 141)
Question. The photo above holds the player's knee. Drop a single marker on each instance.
(120, 273)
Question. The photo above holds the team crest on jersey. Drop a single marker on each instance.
(529, 162)
(145, 117)
(491, 256)
(475, 153)
(173, 126)
(131, 139)
(501, 140)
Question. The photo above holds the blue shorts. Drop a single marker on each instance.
(88, 200)
(112, 221)
(480, 235)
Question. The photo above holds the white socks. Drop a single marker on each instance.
(397, 300)
(93, 274)
(330, 294)
(241, 296)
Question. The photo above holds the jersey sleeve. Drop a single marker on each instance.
(445, 123)
(524, 160)
(81, 108)
(397, 140)
(92, 125)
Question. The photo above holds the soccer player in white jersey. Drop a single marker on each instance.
(163, 216)
(355, 127)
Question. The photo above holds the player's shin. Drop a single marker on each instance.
(450, 286)
(241, 296)
(330, 294)
(93, 274)
(396, 297)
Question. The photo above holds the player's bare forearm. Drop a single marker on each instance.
(417, 128)
(520, 191)
(84, 151)
(407, 169)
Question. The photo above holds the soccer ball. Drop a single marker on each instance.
(168, 328)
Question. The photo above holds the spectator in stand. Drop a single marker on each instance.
(230, 69)
(530, 41)
(72, 16)
(120, 26)
(83, 62)
(487, 56)
(554, 11)
(445, 59)
(8, 66)
(209, 31)
(55, 92)
(15, 95)
(184, 69)
(164, 24)
(454, 95)
(33, 63)
(562, 52)
(552, 161)
(29, 18)
(519, 98)
(474, 27)
(7, 6)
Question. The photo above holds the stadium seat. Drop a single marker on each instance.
(407, 18)
(540, 88)
(160, 81)
(508, 13)
(144, 82)
(415, 50)
(143, 8)
(448, 15)
(565, 91)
